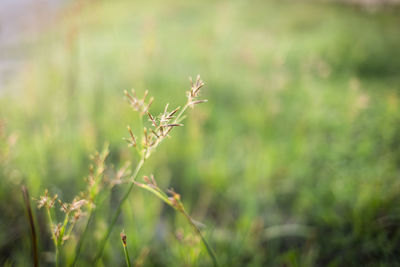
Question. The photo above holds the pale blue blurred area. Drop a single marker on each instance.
(21, 22)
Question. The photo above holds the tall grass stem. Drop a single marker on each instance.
(210, 250)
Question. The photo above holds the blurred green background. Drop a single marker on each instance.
(294, 161)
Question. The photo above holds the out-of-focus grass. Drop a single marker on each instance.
(294, 160)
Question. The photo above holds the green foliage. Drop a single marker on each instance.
(293, 161)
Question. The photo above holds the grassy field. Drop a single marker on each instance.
(293, 161)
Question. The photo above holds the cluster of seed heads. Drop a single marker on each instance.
(74, 206)
(160, 128)
(46, 200)
(72, 214)
(162, 124)
(73, 211)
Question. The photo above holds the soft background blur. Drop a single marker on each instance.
(294, 161)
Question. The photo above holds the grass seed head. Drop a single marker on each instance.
(46, 201)
(123, 238)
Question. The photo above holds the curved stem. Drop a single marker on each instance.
(210, 250)
(161, 195)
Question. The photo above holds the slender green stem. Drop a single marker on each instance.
(156, 191)
(56, 245)
(161, 195)
(210, 250)
(128, 261)
(58, 256)
(118, 211)
(51, 226)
